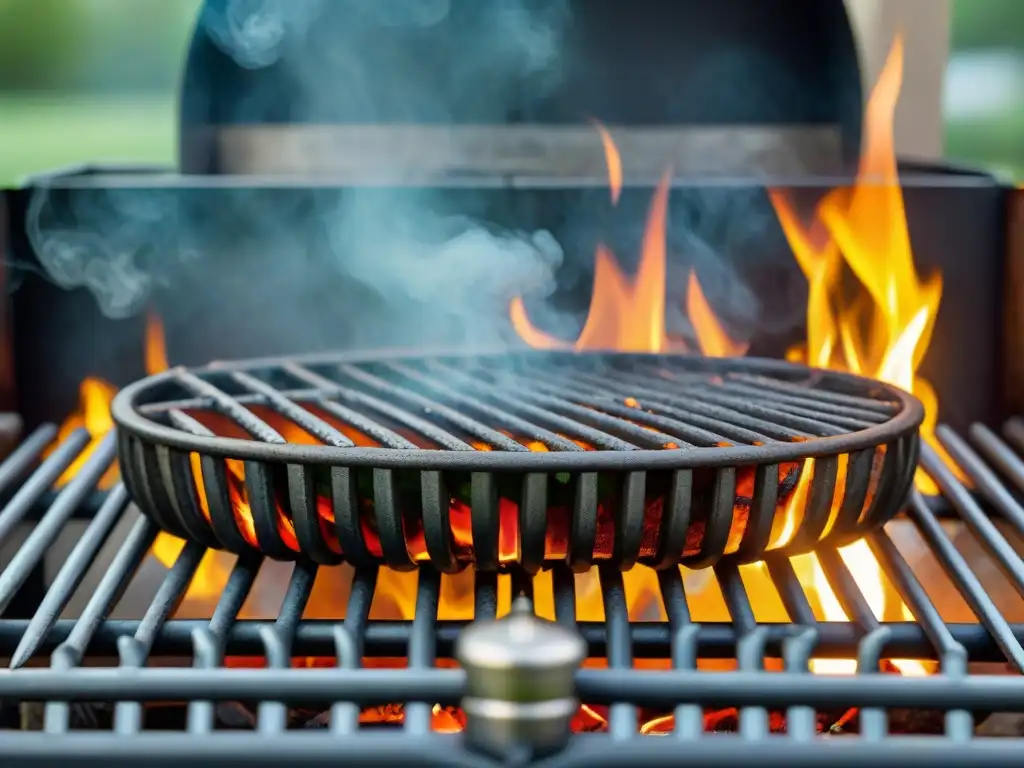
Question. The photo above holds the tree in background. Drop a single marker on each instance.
(71, 45)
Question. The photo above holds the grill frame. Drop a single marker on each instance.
(154, 455)
(69, 642)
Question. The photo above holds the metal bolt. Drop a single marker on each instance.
(520, 692)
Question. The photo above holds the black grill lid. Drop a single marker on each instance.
(647, 62)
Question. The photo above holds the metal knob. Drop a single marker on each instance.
(520, 692)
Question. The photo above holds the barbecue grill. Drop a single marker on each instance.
(659, 459)
(107, 712)
(367, 543)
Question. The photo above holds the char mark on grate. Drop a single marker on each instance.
(525, 457)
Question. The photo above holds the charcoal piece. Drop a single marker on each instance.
(82, 716)
(234, 715)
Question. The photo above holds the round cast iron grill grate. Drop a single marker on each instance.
(526, 457)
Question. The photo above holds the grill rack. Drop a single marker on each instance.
(720, 417)
(70, 641)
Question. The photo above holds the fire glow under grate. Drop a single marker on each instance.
(652, 677)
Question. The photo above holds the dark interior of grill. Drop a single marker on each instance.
(343, 536)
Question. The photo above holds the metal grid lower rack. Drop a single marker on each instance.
(987, 627)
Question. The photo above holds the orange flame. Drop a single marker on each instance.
(628, 314)
(885, 330)
(711, 336)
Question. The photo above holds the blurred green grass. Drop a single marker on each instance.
(42, 132)
(39, 133)
(996, 143)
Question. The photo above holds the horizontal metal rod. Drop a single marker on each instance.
(391, 638)
(662, 688)
(374, 750)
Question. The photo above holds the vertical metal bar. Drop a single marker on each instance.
(622, 718)
(70, 575)
(350, 641)
(25, 455)
(135, 650)
(41, 481)
(563, 583)
(952, 655)
(56, 714)
(801, 721)
(49, 527)
(272, 716)
(485, 595)
(423, 645)
(208, 642)
(689, 717)
(959, 572)
(750, 645)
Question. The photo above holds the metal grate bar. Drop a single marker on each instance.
(208, 642)
(423, 645)
(708, 417)
(366, 425)
(465, 423)
(70, 575)
(134, 650)
(545, 416)
(272, 716)
(41, 481)
(32, 551)
(24, 456)
(684, 690)
(499, 415)
(350, 643)
(622, 716)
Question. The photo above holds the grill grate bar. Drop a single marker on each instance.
(469, 425)
(971, 589)
(350, 643)
(423, 645)
(967, 509)
(1002, 457)
(69, 654)
(688, 718)
(595, 437)
(24, 456)
(272, 716)
(499, 415)
(208, 642)
(712, 418)
(34, 548)
(657, 689)
(622, 716)
(70, 575)
(668, 387)
(135, 649)
(331, 389)
(41, 481)
(861, 404)
(806, 404)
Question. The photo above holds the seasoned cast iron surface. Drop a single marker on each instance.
(525, 457)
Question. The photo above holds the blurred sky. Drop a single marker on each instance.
(96, 80)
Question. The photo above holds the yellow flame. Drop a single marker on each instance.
(859, 241)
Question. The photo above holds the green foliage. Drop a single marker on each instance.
(93, 44)
(988, 24)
